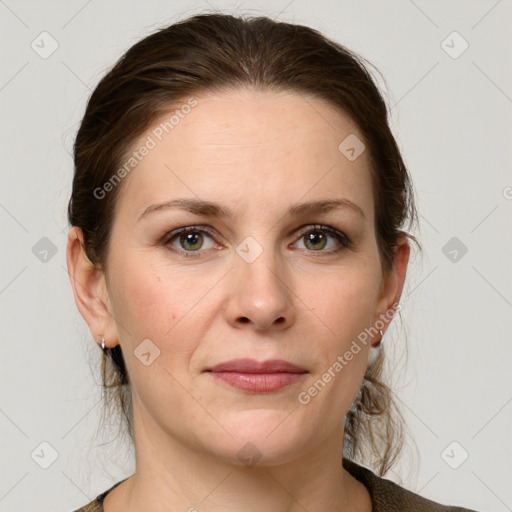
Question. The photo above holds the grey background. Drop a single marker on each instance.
(452, 119)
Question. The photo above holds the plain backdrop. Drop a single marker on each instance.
(448, 69)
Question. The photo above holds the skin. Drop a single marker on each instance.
(256, 153)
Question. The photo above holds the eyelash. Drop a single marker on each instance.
(342, 239)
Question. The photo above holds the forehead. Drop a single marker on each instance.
(237, 117)
(245, 147)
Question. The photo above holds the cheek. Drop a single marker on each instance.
(343, 303)
(157, 301)
(343, 308)
(145, 303)
(149, 302)
(148, 291)
(152, 305)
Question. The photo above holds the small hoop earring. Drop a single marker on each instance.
(103, 347)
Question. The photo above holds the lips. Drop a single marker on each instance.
(252, 376)
(253, 366)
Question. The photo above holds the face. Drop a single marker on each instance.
(257, 276)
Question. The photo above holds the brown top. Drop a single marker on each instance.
(386, 496)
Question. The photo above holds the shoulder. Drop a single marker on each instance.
(97, 504)
(93, 506)
(387, 496)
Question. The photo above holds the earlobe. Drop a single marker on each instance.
(88, 285)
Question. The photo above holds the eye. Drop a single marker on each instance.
(190, 239)
(316, 239)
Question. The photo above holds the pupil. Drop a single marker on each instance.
(316, 239)
(190, 239)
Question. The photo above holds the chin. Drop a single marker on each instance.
(262, 437)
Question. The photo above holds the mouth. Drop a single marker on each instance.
(257, 377)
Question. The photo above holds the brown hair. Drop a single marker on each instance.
(213, 52)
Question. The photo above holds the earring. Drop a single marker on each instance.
(375, 350)
(103, 347)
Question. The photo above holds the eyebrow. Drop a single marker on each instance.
(211, 209)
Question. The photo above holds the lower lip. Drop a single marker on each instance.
(258, 382)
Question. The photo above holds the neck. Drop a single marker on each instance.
(171, 475)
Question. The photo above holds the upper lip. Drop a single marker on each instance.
(253, 366)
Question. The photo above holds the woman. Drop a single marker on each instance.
(237, 248)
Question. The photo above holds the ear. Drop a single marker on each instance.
(90, 290)
(392, 285)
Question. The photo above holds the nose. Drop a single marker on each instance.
(260, 294)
